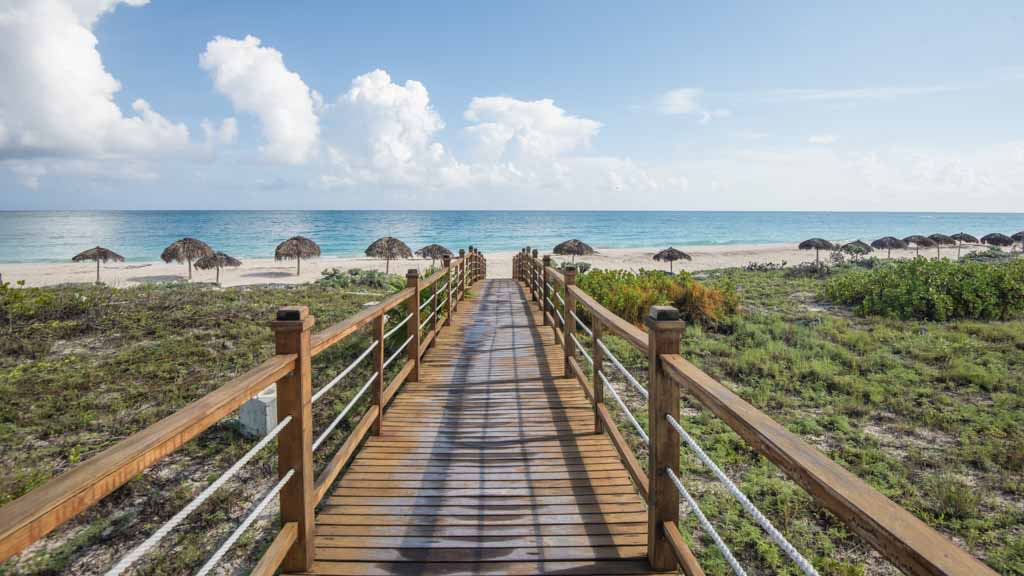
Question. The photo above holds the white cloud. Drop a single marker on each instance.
(257, 81)
(822, 139)
(687, 101)
(515, 130)
(57, 97)
(226, 133)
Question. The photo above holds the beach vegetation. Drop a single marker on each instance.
(358, 278)
(631, 294)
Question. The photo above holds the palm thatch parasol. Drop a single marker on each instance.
(670, 255)
(217, 260)
(389, 249)
(888, 243)
(961, 238)
(940, 241)
(573, 248)
(186, 250)
(1019, 237)
(919, 242)
(99, 254)
(297, 247)
(856, 248)
(816, 244)
(997, 239)
(434, 251)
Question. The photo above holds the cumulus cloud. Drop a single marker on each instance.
(687, 102)
(58, 99)
(510, 129)
(256, 80)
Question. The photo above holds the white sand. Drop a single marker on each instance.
(499, 265)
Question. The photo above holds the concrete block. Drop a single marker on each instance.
(259, 414)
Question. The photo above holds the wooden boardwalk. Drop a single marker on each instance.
(487, 465)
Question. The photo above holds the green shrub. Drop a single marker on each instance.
(631, 294)
(358, 278)
(933, 290)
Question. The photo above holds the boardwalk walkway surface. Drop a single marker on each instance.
(487, 465)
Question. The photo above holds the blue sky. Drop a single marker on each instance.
(738, 105)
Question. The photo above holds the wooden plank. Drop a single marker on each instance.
(343, 455)
(578, 567)
(35, 514)
(485, 530)
(684, 556)
(272, 558)
(897, 534)
(625, 452)
(474, 542)
(481, 554)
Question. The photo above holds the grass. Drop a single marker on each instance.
(84, 366)
(928, 413)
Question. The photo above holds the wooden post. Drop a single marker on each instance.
(598, 355)
(448, 301)
(378, 366)
(534, 276)
(412, 280)
(462, 272)
(570, 322)
(547, 295)
(664, 330)
(295, 442)
(433, 318)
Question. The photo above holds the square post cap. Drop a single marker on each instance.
(292, 318)
(663, 318)
(412, 273)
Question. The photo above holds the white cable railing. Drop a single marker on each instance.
(397, 326)
(128, 559)
(425, 302)
(560, 317)
(582, 324)
(551, 289)
(622, 369)
(427, 321)
(397, 352)
(581, 349)
(319, 393)
(442, 286)
(267, 499)
(719, 543)
(341, 415)
(625, 409)
(747, 505)
(560, 299)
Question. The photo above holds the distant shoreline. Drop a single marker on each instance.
(262, 271)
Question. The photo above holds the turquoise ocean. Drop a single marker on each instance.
(141, 236)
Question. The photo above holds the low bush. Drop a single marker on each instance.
(925, 289)
(358, 278)
(631, 294)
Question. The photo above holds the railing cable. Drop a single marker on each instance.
(397, 326)
(582, 324)
(425, 302)
(267, 499)
(319, 393)
(581, 349)
(625, 409)
(763, 522)
(427, 321)
(722, 547)
(341, 415)
(128, 559)
(397, 352)
(622, 369)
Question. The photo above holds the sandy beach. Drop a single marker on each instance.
(499, 264)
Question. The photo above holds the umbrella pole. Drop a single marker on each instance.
(298, 266)
(97, 271)
(218, 276)
(189, 268)
(387, 265)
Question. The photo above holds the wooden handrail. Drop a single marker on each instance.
(339, 330)
(610, 321)
(898, 535)
(35, 514)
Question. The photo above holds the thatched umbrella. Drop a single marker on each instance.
(961, 238)
(573, 248)
(434, 251)
(99, 254)
(217, 260)
(856, 248)
(817, 244)
(919, 242)
(670, 255)
(297, 247)
(1019, 237)
(997, 239)
(186, 250)
(389, 249)
(888, 243)
(941, 240)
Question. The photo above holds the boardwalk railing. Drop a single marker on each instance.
(895, 533)
(429, 304)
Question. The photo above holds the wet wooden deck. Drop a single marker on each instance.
(487, 465)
